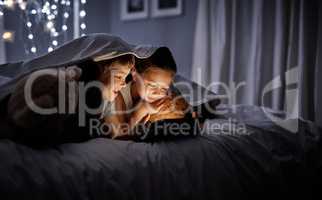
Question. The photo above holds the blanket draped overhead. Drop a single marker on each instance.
(96, 47)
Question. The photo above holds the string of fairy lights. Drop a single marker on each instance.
(44, 19)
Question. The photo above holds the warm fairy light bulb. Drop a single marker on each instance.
(83, 1)
(33, 11)
(22, 5)
(45, 10)
(7, 36)
(1, 13)
(29, 24)
(50, 49)
(64, 27)
(66, 15)
(53, 7)
(33, 49)
(83, 26)
(55, 43)
(9, 3)
(53, 30)
(31, 36)
(51, 17)
(67, 3)
(50, 25)
(82, 13)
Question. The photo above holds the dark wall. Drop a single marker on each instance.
(174, 32)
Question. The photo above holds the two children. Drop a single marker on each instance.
(146, 94)
(134, 102)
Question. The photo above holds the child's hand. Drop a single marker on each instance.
(155, 107)
(144, 110)
(173, 108)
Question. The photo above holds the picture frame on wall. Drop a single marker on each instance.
(165, 8)
(134, 9)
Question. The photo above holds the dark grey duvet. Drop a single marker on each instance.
(266, 162)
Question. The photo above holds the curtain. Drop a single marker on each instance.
(2, 45)
(264, 52)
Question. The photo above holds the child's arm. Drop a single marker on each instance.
(145, 110)
(175, 107)
(121, 126)
(117, 119)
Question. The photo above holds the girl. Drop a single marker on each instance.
(63, 126)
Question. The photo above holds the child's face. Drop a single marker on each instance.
(153, 84)
(114, 79)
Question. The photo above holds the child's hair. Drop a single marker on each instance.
(162, 58)
(91, 70)
(124, 60)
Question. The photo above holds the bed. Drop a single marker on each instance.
(263, 161)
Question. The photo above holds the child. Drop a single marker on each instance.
(45, 93)
(146, 94)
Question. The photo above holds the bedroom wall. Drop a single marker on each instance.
(175, 32)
